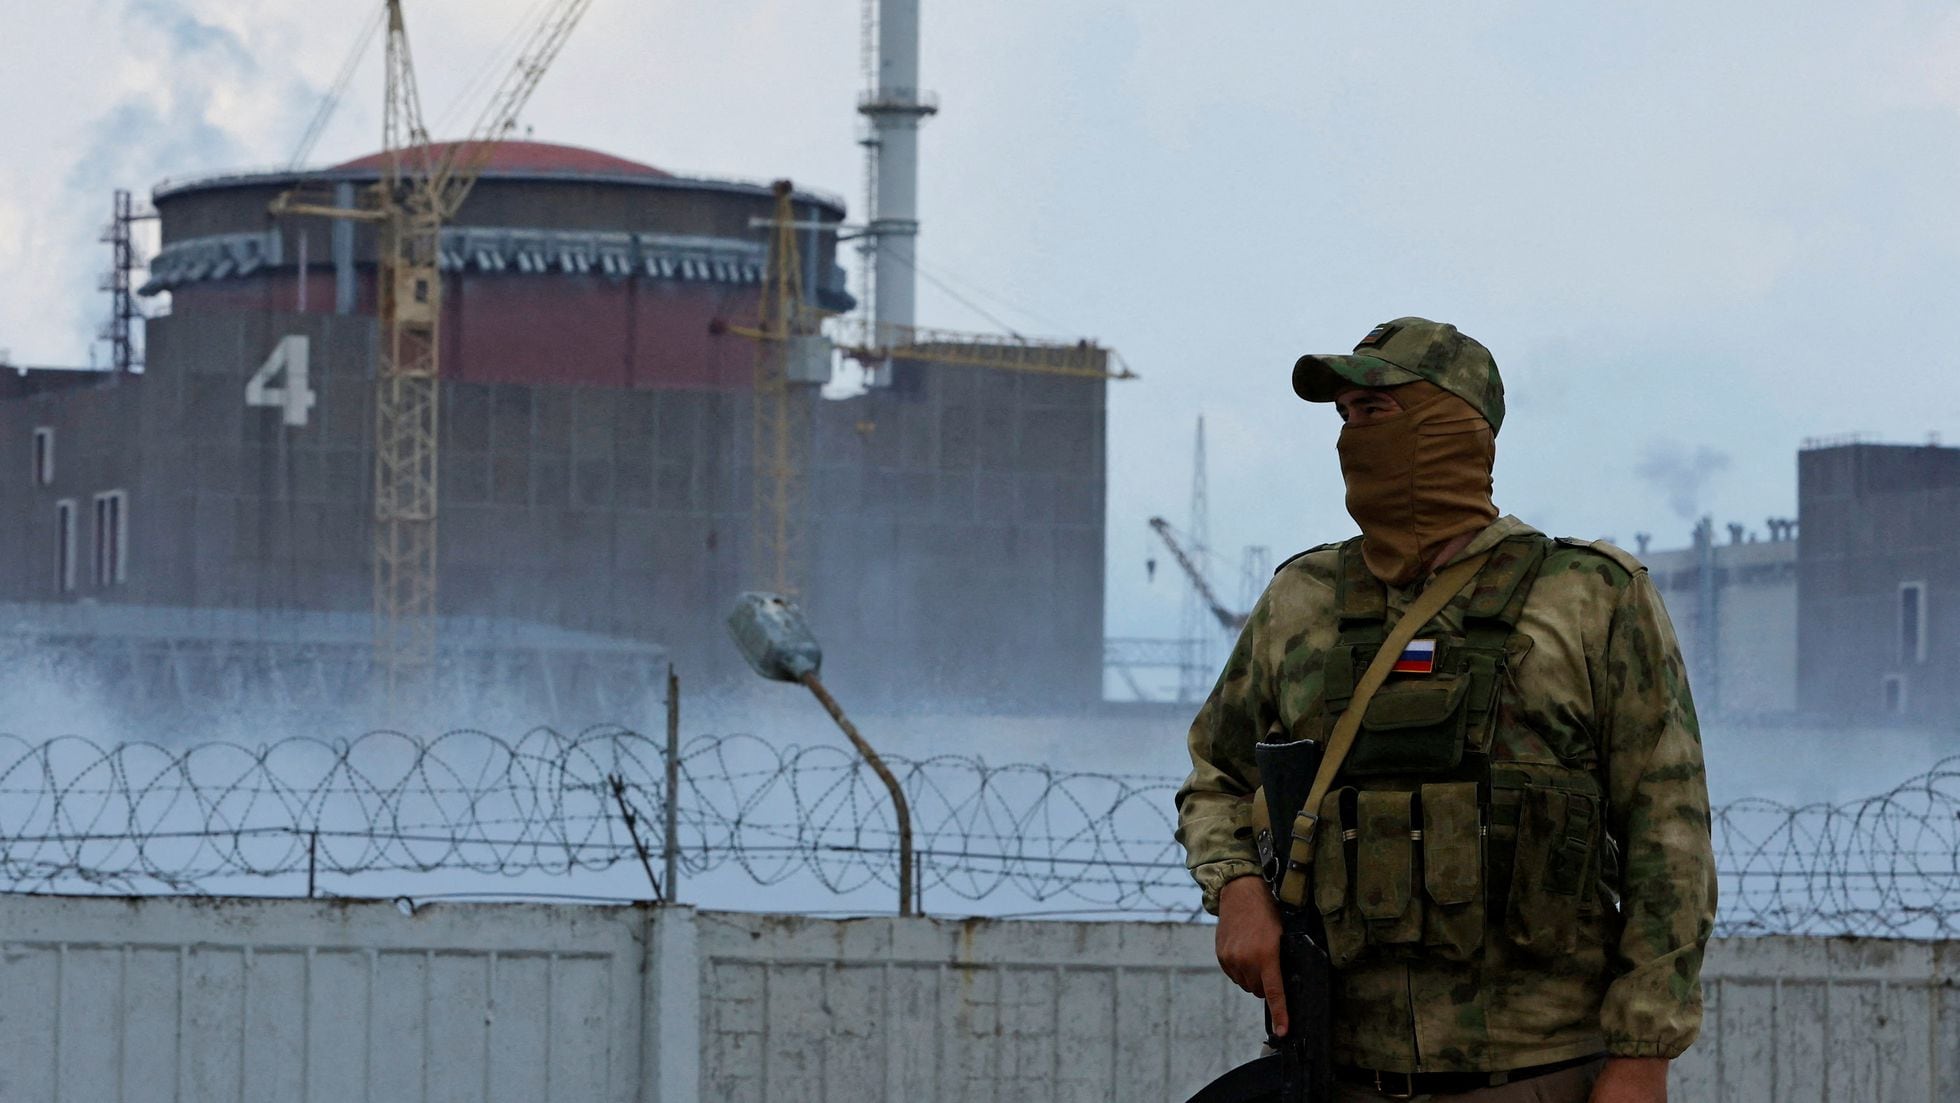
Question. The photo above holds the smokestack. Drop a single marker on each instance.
(893, 106)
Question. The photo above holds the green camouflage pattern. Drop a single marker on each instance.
(1596, 703)
(1404, 351)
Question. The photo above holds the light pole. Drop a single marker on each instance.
(772, 635)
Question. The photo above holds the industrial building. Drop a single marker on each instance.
(1834, 615)
(596, 465)
(1733, 604)
(530, 406)
(1878, 576)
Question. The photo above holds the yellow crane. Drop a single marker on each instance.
(876, 344)
(793, 358)
(422, 186)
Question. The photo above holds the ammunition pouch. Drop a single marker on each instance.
(1402, 870)
(1547, 840)
(1412, 727)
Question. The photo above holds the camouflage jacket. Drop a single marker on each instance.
(1593, 697)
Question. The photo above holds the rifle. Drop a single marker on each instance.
(1299, 1070)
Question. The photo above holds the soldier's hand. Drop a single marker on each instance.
(1248, 943)
(1621, 1079)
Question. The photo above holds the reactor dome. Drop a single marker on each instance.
(564, 265)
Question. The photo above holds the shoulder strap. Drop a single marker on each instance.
(1299, 859)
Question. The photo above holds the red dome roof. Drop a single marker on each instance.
(522, 157)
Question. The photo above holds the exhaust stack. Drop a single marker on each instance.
(893, 107)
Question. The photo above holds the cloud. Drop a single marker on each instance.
(191, 38)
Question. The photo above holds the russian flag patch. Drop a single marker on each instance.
(1417, 658)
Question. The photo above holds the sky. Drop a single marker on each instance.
(1692, 235)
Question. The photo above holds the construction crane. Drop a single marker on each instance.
(330, 102)
(792, 358)
(876, 344)
(1228, 620)
(422, 187)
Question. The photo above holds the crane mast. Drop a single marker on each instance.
(421, 188)
(792, 357)
(782, 409)
(407, 386)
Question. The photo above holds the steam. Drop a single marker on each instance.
(1682, 475)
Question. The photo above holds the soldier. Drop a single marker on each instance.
(1513, 864)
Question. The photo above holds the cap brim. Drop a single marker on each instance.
(1320, 378)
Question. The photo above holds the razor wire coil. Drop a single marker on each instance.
(146, 818)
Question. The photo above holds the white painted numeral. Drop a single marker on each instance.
(291, 394)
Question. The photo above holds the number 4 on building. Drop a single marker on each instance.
(287, 365)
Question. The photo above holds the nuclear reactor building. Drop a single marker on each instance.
(596, 465)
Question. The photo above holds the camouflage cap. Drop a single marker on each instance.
(1404, 351)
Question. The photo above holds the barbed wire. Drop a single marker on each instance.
(139, 817)
(1884, 865)
(142, 817)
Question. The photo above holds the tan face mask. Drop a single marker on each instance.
(1417, 480)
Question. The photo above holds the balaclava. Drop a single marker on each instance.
(1418, 479)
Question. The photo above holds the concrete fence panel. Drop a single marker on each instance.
(230, 1001)
(1798, 1020)
(957, 1011)
(253, 1001)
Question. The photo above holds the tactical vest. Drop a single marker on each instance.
(1439, 840)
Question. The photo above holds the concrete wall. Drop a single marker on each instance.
(958, 538)
(243, 1001)
(249, 1000)
(238, 509)
(948, 1011)
(966, 497)
(954, 551)
(97, 448)
(1874, 517)
(178, 999)
(1791, 1020)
